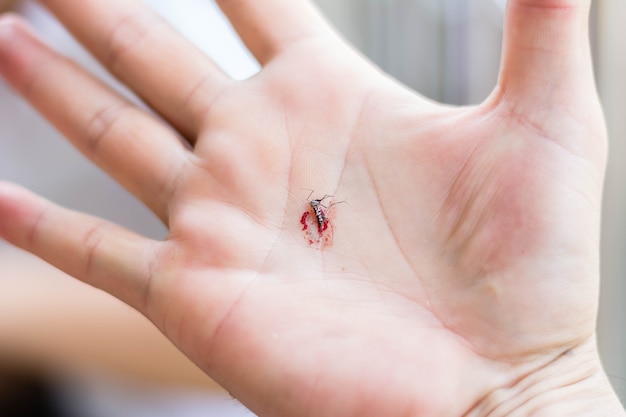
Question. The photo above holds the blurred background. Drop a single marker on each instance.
(68, 350)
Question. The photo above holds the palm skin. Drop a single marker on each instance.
(463, 262)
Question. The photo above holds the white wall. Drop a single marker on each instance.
(448, 50)
(611, 71)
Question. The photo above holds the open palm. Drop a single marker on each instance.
(461, 260)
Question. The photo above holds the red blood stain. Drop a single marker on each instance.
(320, 237)
(305, 226)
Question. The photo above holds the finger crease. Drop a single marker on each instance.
(31, 240)
(129, 32)
(202, 111)
(92, 242)
(168, 188)
(100, 125)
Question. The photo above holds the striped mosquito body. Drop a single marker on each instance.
(319, 210)
(317, 206)
(317, 221)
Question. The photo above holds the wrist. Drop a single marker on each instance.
(573, 384)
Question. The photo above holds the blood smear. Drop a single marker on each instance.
(319, 236)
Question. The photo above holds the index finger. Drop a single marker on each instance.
(268, 27)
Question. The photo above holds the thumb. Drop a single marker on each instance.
(546, 56)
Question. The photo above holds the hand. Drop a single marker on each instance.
(459, 278)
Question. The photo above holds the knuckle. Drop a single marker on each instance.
(92, 241)
(100, 126)
(127, 35)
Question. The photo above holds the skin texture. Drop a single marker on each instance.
(462, 278)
